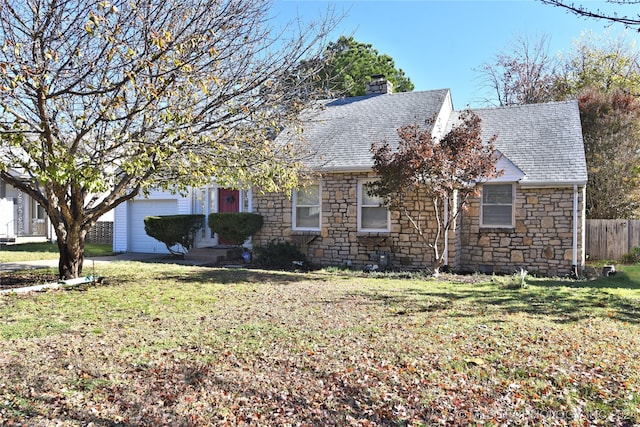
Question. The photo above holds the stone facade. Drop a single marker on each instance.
(339, 243)
(541, 241)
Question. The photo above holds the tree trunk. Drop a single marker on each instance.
(437, 265)
(438, 262)
(71, 248)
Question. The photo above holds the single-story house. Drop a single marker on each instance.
(530, 217)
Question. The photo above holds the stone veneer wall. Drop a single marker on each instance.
(339, 242)
(541, 242)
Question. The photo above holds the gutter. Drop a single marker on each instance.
(344, 169)
(55, 285)
(552, 184)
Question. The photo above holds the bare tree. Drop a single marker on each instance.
(629, 20)
(524, 74)
(102, 100)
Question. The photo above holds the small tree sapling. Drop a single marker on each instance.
(442, 171)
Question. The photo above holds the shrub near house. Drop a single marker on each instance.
(177, 232)
(235, 227)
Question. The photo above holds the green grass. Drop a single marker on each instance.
(164, 344)
(46, 250)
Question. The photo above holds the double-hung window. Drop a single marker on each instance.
(307, 209)
(497, 207)
(372, 216)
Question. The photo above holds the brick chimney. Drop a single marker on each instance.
(379, 85)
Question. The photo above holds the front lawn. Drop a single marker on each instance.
(171, 345)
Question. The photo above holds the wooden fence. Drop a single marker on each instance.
(102, 232)
(611, 238)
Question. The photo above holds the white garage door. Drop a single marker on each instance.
(139, 241)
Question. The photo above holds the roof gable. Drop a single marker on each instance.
(510, 172)
(544, 141)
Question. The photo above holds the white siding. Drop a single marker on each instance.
(7, 226)
(139, 241)
(128, 227)
(120, 224)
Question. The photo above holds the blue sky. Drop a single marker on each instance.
(438, 44)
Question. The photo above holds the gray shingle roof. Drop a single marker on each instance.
(342, 131)
(543, 140)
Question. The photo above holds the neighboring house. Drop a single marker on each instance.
(22, 219)
(21, 216)
(531, 217)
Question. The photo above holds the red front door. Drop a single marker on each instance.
(228, 200)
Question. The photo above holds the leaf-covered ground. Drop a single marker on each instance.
(173, 345)
(20, 279)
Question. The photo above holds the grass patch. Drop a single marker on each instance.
(46, 250)
(172, 345)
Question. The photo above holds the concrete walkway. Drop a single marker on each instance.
(89, 261)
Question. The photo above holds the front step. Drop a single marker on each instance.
(214, 255)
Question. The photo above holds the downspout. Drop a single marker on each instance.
(575, 231)
(445, 252)
(584, 227)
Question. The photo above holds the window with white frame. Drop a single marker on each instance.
(372, 216)
(497, 207)
(307, 208)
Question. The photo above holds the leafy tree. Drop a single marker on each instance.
(604, 75)
(426, 170)
(600, 62)
(525, 74)
(347, 65)
(100, 101)
(611, 129)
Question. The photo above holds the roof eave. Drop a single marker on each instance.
(552, 184)
(344, 169)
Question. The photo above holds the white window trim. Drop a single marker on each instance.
(361, 184)
(513, 207)
(294, 206)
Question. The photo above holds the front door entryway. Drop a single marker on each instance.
(228, 200)
(216, 199)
